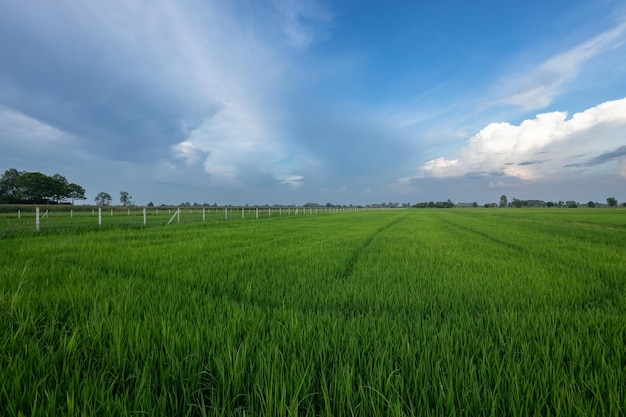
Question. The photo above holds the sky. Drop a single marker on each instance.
(298, 101)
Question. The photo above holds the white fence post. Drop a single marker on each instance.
(144, 216)
(175, 214)
(178, 211)
(37, 219)
(257, 213)
(242, 213)
(19, 214)
(226, 213)
(99, 216)
(203, 215)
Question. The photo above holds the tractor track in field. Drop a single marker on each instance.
(349, 270)
(487, 236)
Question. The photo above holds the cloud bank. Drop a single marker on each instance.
(550, 145)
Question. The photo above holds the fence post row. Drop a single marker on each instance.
(322, 210)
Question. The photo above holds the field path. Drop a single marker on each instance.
(358, 252)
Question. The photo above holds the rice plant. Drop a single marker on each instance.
(398, 312)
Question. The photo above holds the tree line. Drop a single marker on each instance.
(516, 202)
(23, 187)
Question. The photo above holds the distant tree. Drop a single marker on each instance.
(35, 187)
(503, 201)
(126, 198)
(516, 202)
(591, 204)
(151, 204)
(549, 204)
(571, 204)
(611, 201)
(59, 188)
(76, 192)
(103, 199)
(9, 186)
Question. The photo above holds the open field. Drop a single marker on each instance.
(18, 220)
(400, 312)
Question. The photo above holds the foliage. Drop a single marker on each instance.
(103, 199)
(431, 204)
(36, 188)
(397, 312)
(611, 201)
(503, 201)
(126, 199)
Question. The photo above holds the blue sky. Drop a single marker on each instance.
(350, 102)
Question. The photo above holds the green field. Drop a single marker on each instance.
(498, 312)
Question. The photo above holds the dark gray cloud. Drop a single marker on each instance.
(91, 86)
(530, 163)
(601, 159)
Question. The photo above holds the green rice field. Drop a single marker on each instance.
(458, 312)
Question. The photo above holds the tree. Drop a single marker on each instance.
(611, 201)
(591, 204)
(503, 201)
(103, 199)
(59, 188)
(76, 192)
(126, 199)
(35, 187)
(9, 188)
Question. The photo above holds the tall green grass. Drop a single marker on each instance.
(407, 312)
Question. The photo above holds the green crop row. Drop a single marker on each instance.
(379, 313)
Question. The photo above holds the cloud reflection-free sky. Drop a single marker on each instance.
(290, 101)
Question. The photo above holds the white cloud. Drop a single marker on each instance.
(294, 181)
(240, 74)
(188, 151)
(537, 89)
(20, 130)
(548, 145)
(302, 20)
(440, 164)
